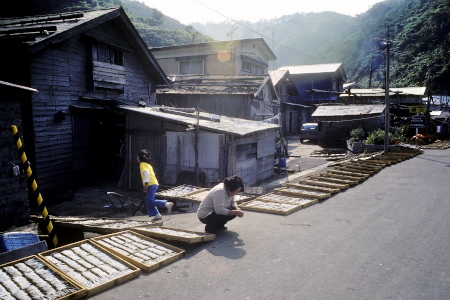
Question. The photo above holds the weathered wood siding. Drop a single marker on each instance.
(336, 134)
(14, 205)
(230, 105)
(254, 157)
(235, 106)
(63, 73)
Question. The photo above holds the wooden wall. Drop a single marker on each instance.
(336, 134)
(235, 106)
(14, 205)
(63, 75)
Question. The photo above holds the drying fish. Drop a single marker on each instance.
(21, 281)
(35, 293)
(12, 271)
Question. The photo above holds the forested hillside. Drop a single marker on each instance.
(156, 29)
(419, 32)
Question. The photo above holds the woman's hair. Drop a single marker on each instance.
(233, 183)
(145, 155)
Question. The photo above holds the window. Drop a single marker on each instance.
(107, 54)
(335, 85)
(251, 68)
(191, 66)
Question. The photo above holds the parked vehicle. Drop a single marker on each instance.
(309, 131)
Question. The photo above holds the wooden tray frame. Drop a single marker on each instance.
(135, 272)
(305, 186)
(81, 292)
(80, 223)
(205, 237)
(247, 206)
(348, 173)
(145, 267)
(318, 182)
(335, 179)
(106, 230)
(304, 202)
(302, 192)
(248, 197)
(162, 196)
(187, 197)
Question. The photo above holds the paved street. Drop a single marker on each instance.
(387, 238)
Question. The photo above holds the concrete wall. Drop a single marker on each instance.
(181, 156)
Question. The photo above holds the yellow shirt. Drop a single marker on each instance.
(147, 174)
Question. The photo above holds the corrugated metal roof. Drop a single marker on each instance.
(403, 91)
(312, 69)
(39, 32)
(215, 84)
(226, 125)
(348, 110)
(62, 22)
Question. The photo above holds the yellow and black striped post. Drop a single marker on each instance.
(32, 185)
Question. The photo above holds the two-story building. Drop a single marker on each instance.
(82, 64)
(245, 57)
(316, 84)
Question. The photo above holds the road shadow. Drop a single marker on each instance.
(227, 244)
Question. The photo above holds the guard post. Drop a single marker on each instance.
(33, 187)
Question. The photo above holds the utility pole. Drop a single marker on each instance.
(197, 170)
(386, 46)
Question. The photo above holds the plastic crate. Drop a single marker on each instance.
(14, 240)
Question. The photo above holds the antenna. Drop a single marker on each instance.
(272, 29)
(230, 33)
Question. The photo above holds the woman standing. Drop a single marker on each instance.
(219, 206)
(150, 184)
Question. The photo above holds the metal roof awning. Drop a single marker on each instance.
(206, 121)
(17, 86)
(348, 111)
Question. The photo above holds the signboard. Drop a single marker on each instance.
(416, 109)
(417, 122)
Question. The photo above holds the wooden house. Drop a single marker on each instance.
(14, 205)
(316, 84)
(82, 63)
(290, 113)
(405, 102)
(190, 145)
(336, 121)
(245, 56)
(251, 97)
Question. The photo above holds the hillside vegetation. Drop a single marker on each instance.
(419, 31)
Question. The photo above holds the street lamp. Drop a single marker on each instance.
(386, 46)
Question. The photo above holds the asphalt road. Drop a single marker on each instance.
(387, 238)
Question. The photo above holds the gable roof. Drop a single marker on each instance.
(316, 69)
(217, 84)
(207, 121)
(38, 32)
(224, 44)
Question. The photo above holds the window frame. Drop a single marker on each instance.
(106, 53)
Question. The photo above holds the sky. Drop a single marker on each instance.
(203, 11)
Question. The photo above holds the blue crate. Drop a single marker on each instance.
(14, 240)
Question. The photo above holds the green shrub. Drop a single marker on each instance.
(375, 137)
(397, 135)
(356, 135)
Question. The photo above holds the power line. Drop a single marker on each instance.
(254, 31)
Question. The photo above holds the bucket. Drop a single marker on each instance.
(283, 162)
